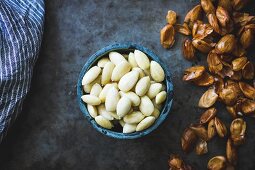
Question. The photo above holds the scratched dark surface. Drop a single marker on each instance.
(51, 132)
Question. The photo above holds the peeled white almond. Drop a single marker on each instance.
(145, 123)
(116, 58)
(121, 122)
(156, 113)
(158, 106)
(105, 90)
(107, 73)
(131, 60)
(146, 106)
(147, 72)
(87, 87)
(114, 115)
(141, 72)
(91, 100)
(101, 63)
(123, 106)
(135, 99)
(92, 110)
(91, 75)
(120, 70)
(103, 122)
(157, 72)
(112, 99)
(154, 89)
(142, 86)
(96, 90)
(161, 97)
(102, 111)
(129, 128)
(134, 117)
(142, 60)
(128, 81)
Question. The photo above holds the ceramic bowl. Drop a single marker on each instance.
(125, 48)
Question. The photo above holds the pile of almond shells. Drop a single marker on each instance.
(225, 35)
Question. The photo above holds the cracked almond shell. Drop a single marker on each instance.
(208, 115)
(205, 80)
(211, 130)
(238, 130)
(226, 44)
(231, 152)
(193, 73)
(201, 147)
(188, 140)
(188, 50)
(217, 163)
(239, 63)
(200, 131)
(171, 17)
(247, 90)
(167, 36)
(220, 127)
(208, 99)
(202, 45)
(248, 71)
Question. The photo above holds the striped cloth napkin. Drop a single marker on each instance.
(21, 28)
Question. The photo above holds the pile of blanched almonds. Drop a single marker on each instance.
(126, 90)
(225, 33)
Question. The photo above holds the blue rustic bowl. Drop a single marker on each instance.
(125, 48)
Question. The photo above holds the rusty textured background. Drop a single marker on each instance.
(51, 132)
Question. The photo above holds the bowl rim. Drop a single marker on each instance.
(169, 89)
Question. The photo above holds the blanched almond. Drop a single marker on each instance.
(103, 122)
(91, 75)
(145, 123)
(141, 72)
(116, 58)
(142, 86)
(92, 110)
(157, 72)
(107, 73)
(87, 87)
(96, 90)
(161, 97)
(91, 100)
(134, 117)
(129, 128)
(146, 106)
(128, 81)
(105, 90)
(102, 111)
(131, 60)
(123, 106)
(122, 123)
(154, 90)
(142, 60)
(120, 70)
(147, 72)
(156, 113)
(112, 99)
(101, 63)
(135, 99)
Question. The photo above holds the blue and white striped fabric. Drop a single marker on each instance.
(21, 28)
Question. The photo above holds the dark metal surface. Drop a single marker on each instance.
(51, 132)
